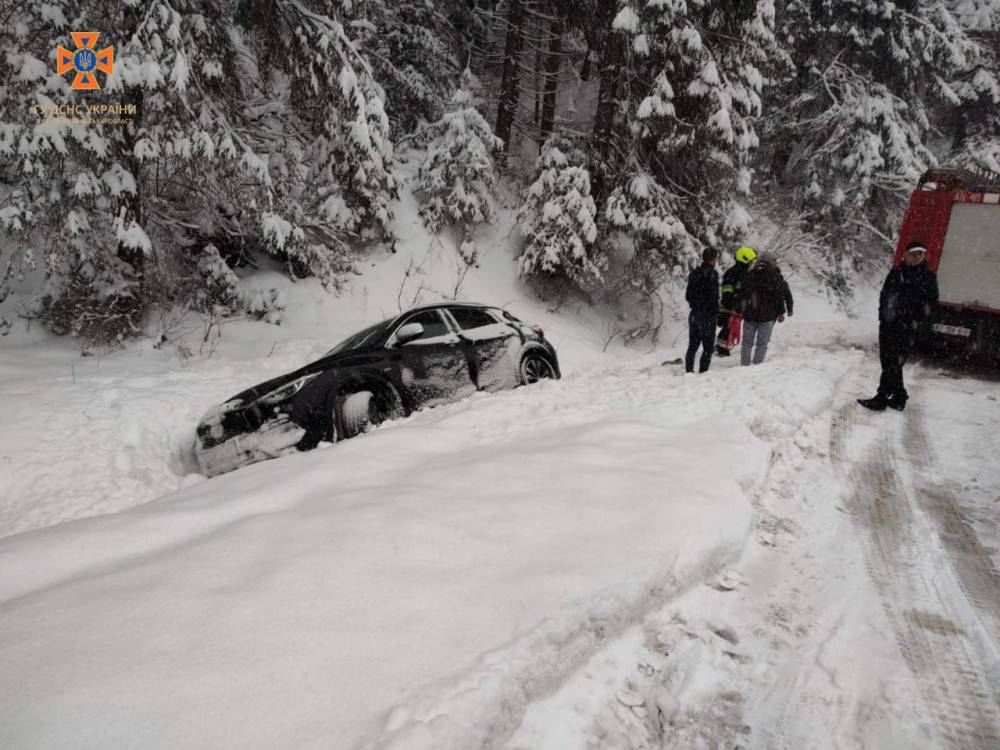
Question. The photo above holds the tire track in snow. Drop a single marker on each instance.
(792, 701)
(920, 609)
(716, 714)
(899, 554)
(969, 559)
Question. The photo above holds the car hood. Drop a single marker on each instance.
(324, 364)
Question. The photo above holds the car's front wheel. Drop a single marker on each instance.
(535, 367)
(365, 409)
(358, 412)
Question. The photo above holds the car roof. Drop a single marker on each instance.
(439, 305)
(452, 303)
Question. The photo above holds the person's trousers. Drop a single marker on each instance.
(756, 337)
(894, 344)
(701, 332)
(721, 341)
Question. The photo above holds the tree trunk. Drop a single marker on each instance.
(553, 62)
(478, 40)
(130, 204)
(780, 10)
(588, 35)
(539, 75)
(959, 129)
(509, 84)
(612, 76)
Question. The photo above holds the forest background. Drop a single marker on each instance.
(622, 137)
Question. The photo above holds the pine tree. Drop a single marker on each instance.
(558, 217)
(870, 75)
(680, 176)
(100, 192)
(348, 182)
(250, 126)
(456, 179)
(976, 129)
(411, 46)
(647, 213)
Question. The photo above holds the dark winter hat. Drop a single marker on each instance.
(709, 254)
(916, 247)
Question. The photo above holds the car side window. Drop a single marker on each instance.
(434, 325)
(471, 317)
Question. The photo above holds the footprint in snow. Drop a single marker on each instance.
(630, 698)
(767, 538)
(729, 580)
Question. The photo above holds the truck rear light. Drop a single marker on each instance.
(538, 330)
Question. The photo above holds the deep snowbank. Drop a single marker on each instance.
(412, 588)
(89, 436)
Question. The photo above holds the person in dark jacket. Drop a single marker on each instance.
(732, 288)
(703, 297)
(909, 296)
(766, 299)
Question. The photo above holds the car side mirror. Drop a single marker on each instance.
(409, 332)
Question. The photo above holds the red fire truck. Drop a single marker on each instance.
(955, 213)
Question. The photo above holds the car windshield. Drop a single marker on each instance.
(361, 338)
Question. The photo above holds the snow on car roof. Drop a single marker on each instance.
(436, 305)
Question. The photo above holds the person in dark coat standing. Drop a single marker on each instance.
(732, 288)
(766, 299)
(909, 296)
(703, 297)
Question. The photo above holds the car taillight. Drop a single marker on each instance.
(538, 330)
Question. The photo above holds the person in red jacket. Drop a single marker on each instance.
(729, 305)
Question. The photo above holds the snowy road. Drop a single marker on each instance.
(865, 614)
(941, 598)
(625, 559)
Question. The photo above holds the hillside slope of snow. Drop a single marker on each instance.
(420, 586)
(132, 413)
(416, 586)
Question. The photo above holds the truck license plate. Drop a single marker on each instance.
(953, 330)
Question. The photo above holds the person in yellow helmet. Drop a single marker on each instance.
(729, 304)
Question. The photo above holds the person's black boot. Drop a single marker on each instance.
(878, 403)
(896, 403)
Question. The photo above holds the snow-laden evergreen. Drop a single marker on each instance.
(646, 212)
(558, 216)
(409, 46)
(349, 182)
(257, 126)
(237, 130)
(694, 87)
(456, 179)
(977, 119)
(114, 193)
(852, 129)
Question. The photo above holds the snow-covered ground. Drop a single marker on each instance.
(627, 558)
(863, 613)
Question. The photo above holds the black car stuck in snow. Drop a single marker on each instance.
(423, 357)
